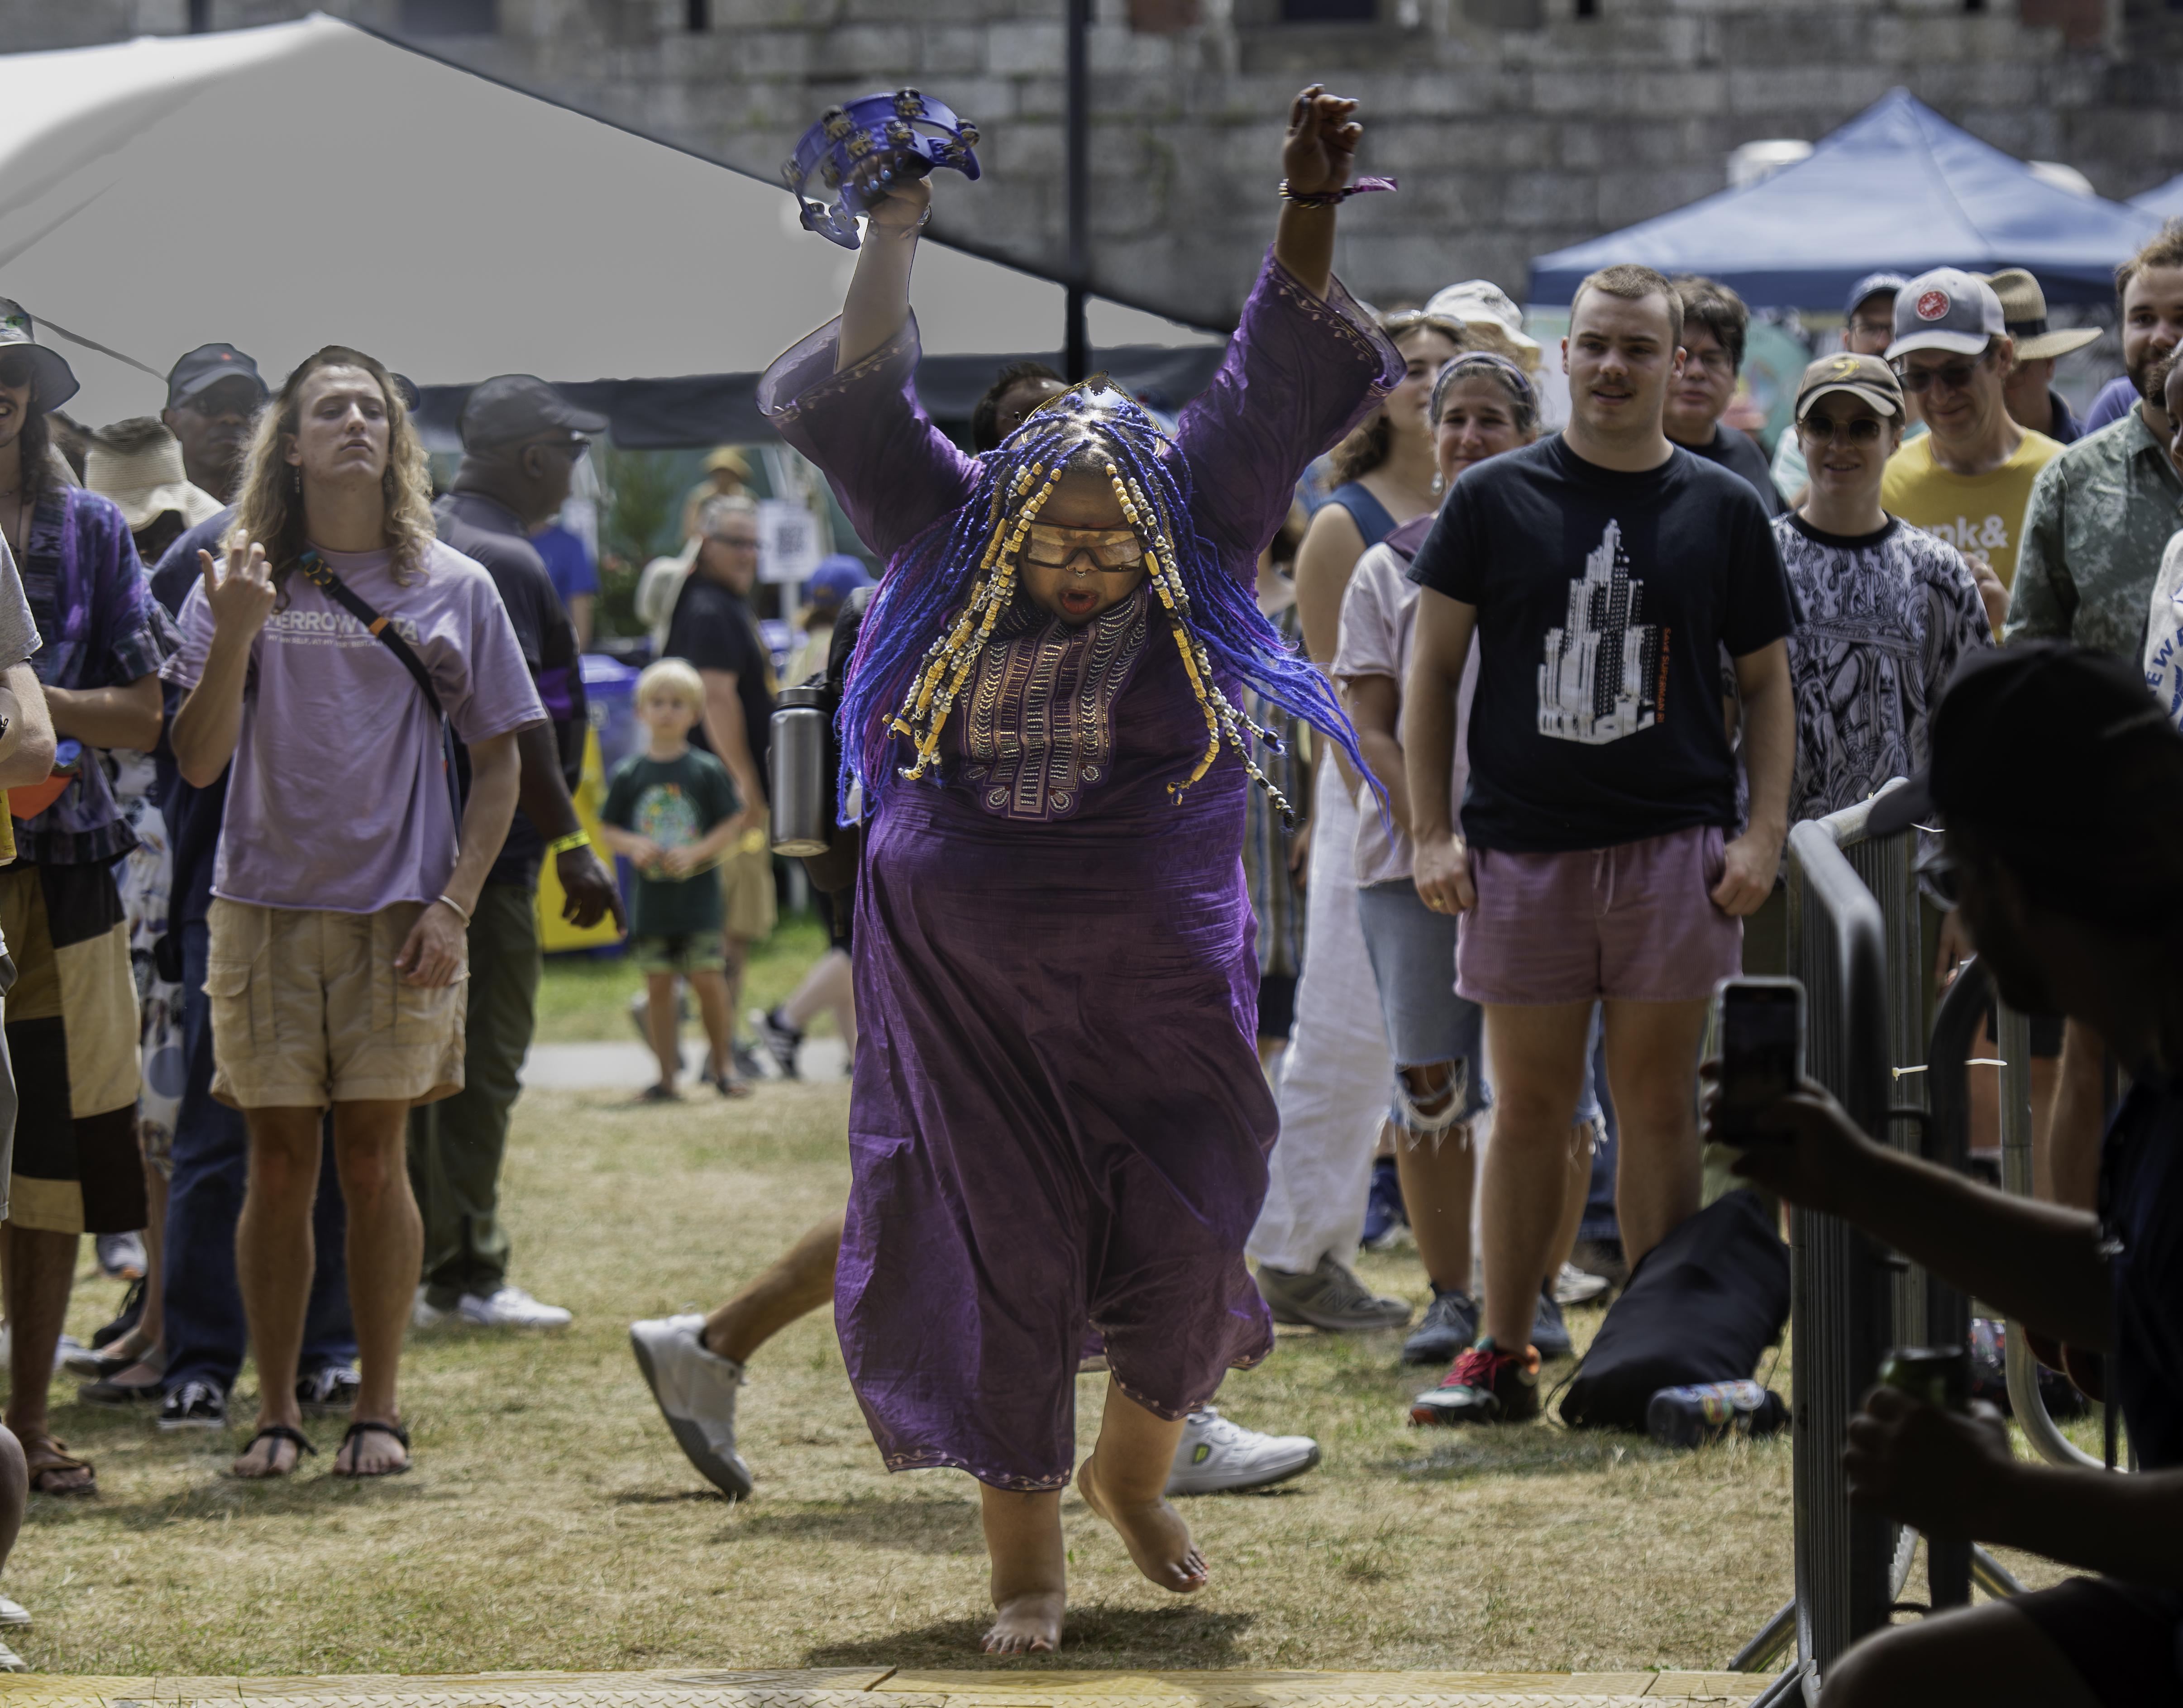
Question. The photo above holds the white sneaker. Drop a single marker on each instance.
(511, 1308)
(697, 1394)
(1216, 1457)
(10, 1661)
(13, 1616)
(424, 1315)
(1574, 1286)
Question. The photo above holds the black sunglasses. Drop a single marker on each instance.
(17, 372)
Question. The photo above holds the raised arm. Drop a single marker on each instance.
(1316, 158)
(210, 720)
(877, 305)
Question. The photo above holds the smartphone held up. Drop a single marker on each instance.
(1761, 1029)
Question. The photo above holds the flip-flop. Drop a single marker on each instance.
(45, 1454)
(364, 1427)
(276, 1432)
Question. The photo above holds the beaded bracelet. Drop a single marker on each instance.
(1333, 198)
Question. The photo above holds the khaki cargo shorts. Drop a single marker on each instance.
(747, 887)
(307, 1011)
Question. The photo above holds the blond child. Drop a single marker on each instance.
(672, 811)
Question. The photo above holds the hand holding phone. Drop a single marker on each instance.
(1762, 1055)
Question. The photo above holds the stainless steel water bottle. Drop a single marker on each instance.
(802, 792)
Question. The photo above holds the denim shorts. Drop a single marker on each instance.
(1413, 953)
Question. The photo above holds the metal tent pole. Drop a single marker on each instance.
(1076, 352)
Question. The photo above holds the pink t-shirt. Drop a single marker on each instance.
(337, 798)
(1379, 619)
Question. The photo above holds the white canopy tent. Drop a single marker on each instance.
(311, 183)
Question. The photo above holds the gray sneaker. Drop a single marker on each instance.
(697, 1394)
(1451, 1324)
(1328, 1297)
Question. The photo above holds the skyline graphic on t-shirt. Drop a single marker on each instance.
(1600, 678)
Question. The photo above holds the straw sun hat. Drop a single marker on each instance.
(138, 464)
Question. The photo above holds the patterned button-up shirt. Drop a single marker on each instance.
(2097, 520)
(102, 629)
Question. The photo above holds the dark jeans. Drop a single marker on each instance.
(1599, 1221)
(205, 1332)
(456, 1144)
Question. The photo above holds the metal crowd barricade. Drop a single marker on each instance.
(1842, 1306)
(1856, 939)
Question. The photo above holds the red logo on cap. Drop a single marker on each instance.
(1933, 305)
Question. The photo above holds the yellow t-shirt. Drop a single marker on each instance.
(1980, 515)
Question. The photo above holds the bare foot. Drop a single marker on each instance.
(1154, 1533)
(1026, 1624)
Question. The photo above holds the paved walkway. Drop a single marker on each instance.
(630, 1066)
(1002, 1687)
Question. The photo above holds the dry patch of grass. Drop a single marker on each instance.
(551, 1523)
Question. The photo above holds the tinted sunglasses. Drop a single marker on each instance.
(1955, 375)
(16, 372)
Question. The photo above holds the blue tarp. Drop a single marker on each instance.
(2163, 201)
(1897, 187)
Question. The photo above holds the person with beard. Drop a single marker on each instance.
(2149, 297)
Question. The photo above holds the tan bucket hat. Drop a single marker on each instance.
(2024, 309)
(138, 464)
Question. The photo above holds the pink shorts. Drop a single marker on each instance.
(1632, 924)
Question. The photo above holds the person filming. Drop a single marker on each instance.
(2059, 783)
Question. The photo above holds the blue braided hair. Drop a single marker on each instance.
(934, 613)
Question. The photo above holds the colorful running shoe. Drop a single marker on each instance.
(1487, 1385)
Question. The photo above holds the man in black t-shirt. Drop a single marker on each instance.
(2060, 785)
(1715, 324)
(713, 628)
(1602, 571)
(521, 443)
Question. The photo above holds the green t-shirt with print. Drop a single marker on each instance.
(674, 802)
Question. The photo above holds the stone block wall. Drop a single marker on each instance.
(1516, 126)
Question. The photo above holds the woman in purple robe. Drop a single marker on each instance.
(1058, 1122)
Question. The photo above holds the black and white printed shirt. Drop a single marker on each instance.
(1885, 618)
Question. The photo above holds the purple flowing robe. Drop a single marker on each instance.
(1058, 1119)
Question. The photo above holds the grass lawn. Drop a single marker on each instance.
(586, 998)
(551, 1522)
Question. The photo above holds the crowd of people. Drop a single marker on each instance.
(1396, 843)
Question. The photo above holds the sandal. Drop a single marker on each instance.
(276, 1432)
(659, 1094)
(44, 1455)
(734, 1087)
(364, 1427)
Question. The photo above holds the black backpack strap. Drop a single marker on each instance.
(315, 571)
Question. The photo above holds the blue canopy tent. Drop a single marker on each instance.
(2163, 201)
(1897, 187)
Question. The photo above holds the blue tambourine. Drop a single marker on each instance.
(868, 147)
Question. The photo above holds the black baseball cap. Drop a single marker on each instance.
(207, 365)
(2056, 753)
(513, 407)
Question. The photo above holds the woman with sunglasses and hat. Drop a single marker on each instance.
(1888, 611)
(76, 1168)
(1058, 1121)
